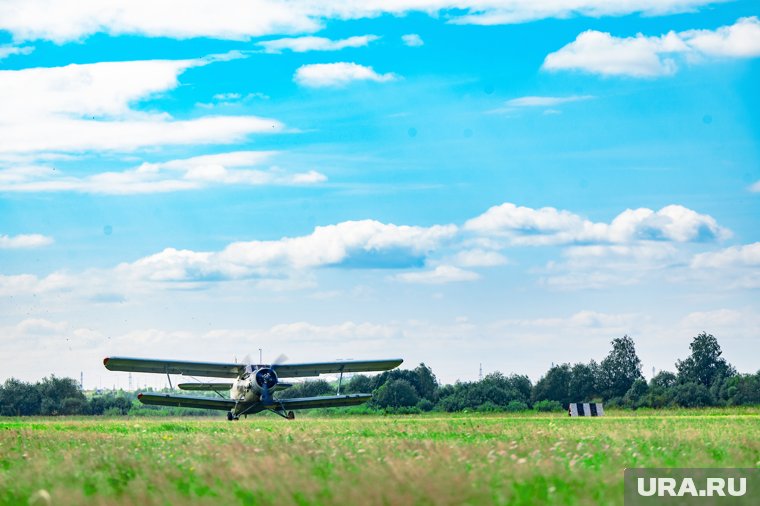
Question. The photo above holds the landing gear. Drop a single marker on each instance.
(231, 417)
(288, 416)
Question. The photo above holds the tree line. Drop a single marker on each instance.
(704, 378)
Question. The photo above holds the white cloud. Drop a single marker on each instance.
(547, 225)
(31, 284)
(321, 75)
(243, 19)
(602, 266)
(533, 101)
(740, 40)
(226, 96)
(440, 275)
(188, 174)
(710, 319)
(601, 53)
(479, 258)
(412, 40)
(643, 56)
(636, 244)
(755, 187)
(24, 241)
(747, 255)
(499, 12)
(305, 44)
(7, 50)
(90, 107)
(239, 20)
(304, 331)
(582, 319)
(359, 244)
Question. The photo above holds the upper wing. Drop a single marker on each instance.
(216, 370)
(298, 370)
(206, 387)
(330, 401)
(182, 401)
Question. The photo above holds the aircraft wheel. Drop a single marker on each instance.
(230, 416)
(291, 415)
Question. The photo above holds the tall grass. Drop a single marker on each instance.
(435, 459)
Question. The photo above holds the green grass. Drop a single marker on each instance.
(432, 459)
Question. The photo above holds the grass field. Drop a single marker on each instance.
(432, 459)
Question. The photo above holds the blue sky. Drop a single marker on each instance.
(492, 183)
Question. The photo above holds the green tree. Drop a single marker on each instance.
(661, 389)
(360, 384)
(692, 395)
(521, 387)
(553, 386)
(421, 378)
(744, 389)
(636, 396)
(311, 388)
(396, 393)
(18, 398)
(426, 383)
(620, 368)
(53, 391)
(583, 379)
(705, 364)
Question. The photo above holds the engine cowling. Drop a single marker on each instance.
(266, 378)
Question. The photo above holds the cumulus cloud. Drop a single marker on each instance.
(305, 331)
(305, 44)
(359, 244)
(652, 56)
(24, 241)
(29, 283)
(547, 225)
(8, 50)
(479, 258)
(585, 319)
(740, 40)
(243, 19)
(322, 75)
(709, 319)
(232, 168)
(440, 275)
(633, 245)
(90, 107)
(412, 40)
(747, 255)
(602, 266)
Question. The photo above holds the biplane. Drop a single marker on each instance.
(252, 387)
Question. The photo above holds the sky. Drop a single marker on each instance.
(503, 184)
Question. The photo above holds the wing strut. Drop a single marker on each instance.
(340, 380)
(169, 378)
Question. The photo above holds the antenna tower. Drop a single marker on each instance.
(480, 372)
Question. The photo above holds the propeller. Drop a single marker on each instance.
(266, 378)
(281, 359)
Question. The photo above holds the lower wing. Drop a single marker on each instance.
(183, 401)
(331, 401)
